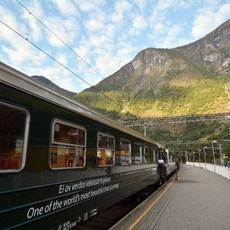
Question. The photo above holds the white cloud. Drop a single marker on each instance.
(200, 25)
(21, 52)
(99, 41)
(159, 27)
(157, 20)
(93, 25)
(66, 7)
(208, 19)
(122, 10)
(223, 13)
(68, 83)
(141, 4)
(56, 74)
(107, 63)
(9, 19)
(174, 31)
(83, 50)
(85, 6)
(89, 6)
(62, 59)
(110, 30)
(139, 23)
(63, 28)
(34, 31)
(163, 4)
(173, 4)
(33, 6)
(18, 54)
(171, 37)
(113, 58)
(30, 27)
(17, 49)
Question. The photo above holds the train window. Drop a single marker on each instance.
(153, 155)
(68, 145)
(158, 154)
(166, 156)
(146, 155)
(14, 126)
(124, 155)
(162, 155)
(137, 154)
(105, 150)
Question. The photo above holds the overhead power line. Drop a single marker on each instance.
(50, 56)
(61, 40)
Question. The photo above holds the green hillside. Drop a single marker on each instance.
(182, 95)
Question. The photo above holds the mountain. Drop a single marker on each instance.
(50, 84)
(191, 79)
(212, 50)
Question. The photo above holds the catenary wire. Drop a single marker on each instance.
(50, 56)
(70, 48)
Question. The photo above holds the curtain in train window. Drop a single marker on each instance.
(14, 125)
(125, 152)
(105, 150)
(68, 145)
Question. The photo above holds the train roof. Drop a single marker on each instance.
(23, 82)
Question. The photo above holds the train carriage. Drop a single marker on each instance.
(61, 162)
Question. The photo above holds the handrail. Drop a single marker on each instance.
(218, 169)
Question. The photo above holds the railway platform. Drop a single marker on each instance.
(198, 200)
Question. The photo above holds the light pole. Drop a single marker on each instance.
(199, 155)
(145, 131)
(193, 159)
(221, 157)
(213, 153)
(145, 128)
(186, 153)
(205, 156)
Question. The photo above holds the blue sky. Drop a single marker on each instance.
(91, 40)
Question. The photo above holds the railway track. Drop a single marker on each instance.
(109, 217)
(104, 220)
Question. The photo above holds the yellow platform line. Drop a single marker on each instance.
(151, 205)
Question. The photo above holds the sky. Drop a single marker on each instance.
(78, 43)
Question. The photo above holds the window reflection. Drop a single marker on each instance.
(105, 150)
(68, 146)
(125, 152)
(13, 132)
(137, 156)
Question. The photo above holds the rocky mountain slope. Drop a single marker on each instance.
(191, 79)
(212, 50)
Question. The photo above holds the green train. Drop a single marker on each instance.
(61, 162)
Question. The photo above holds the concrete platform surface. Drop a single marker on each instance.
(199, 200)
